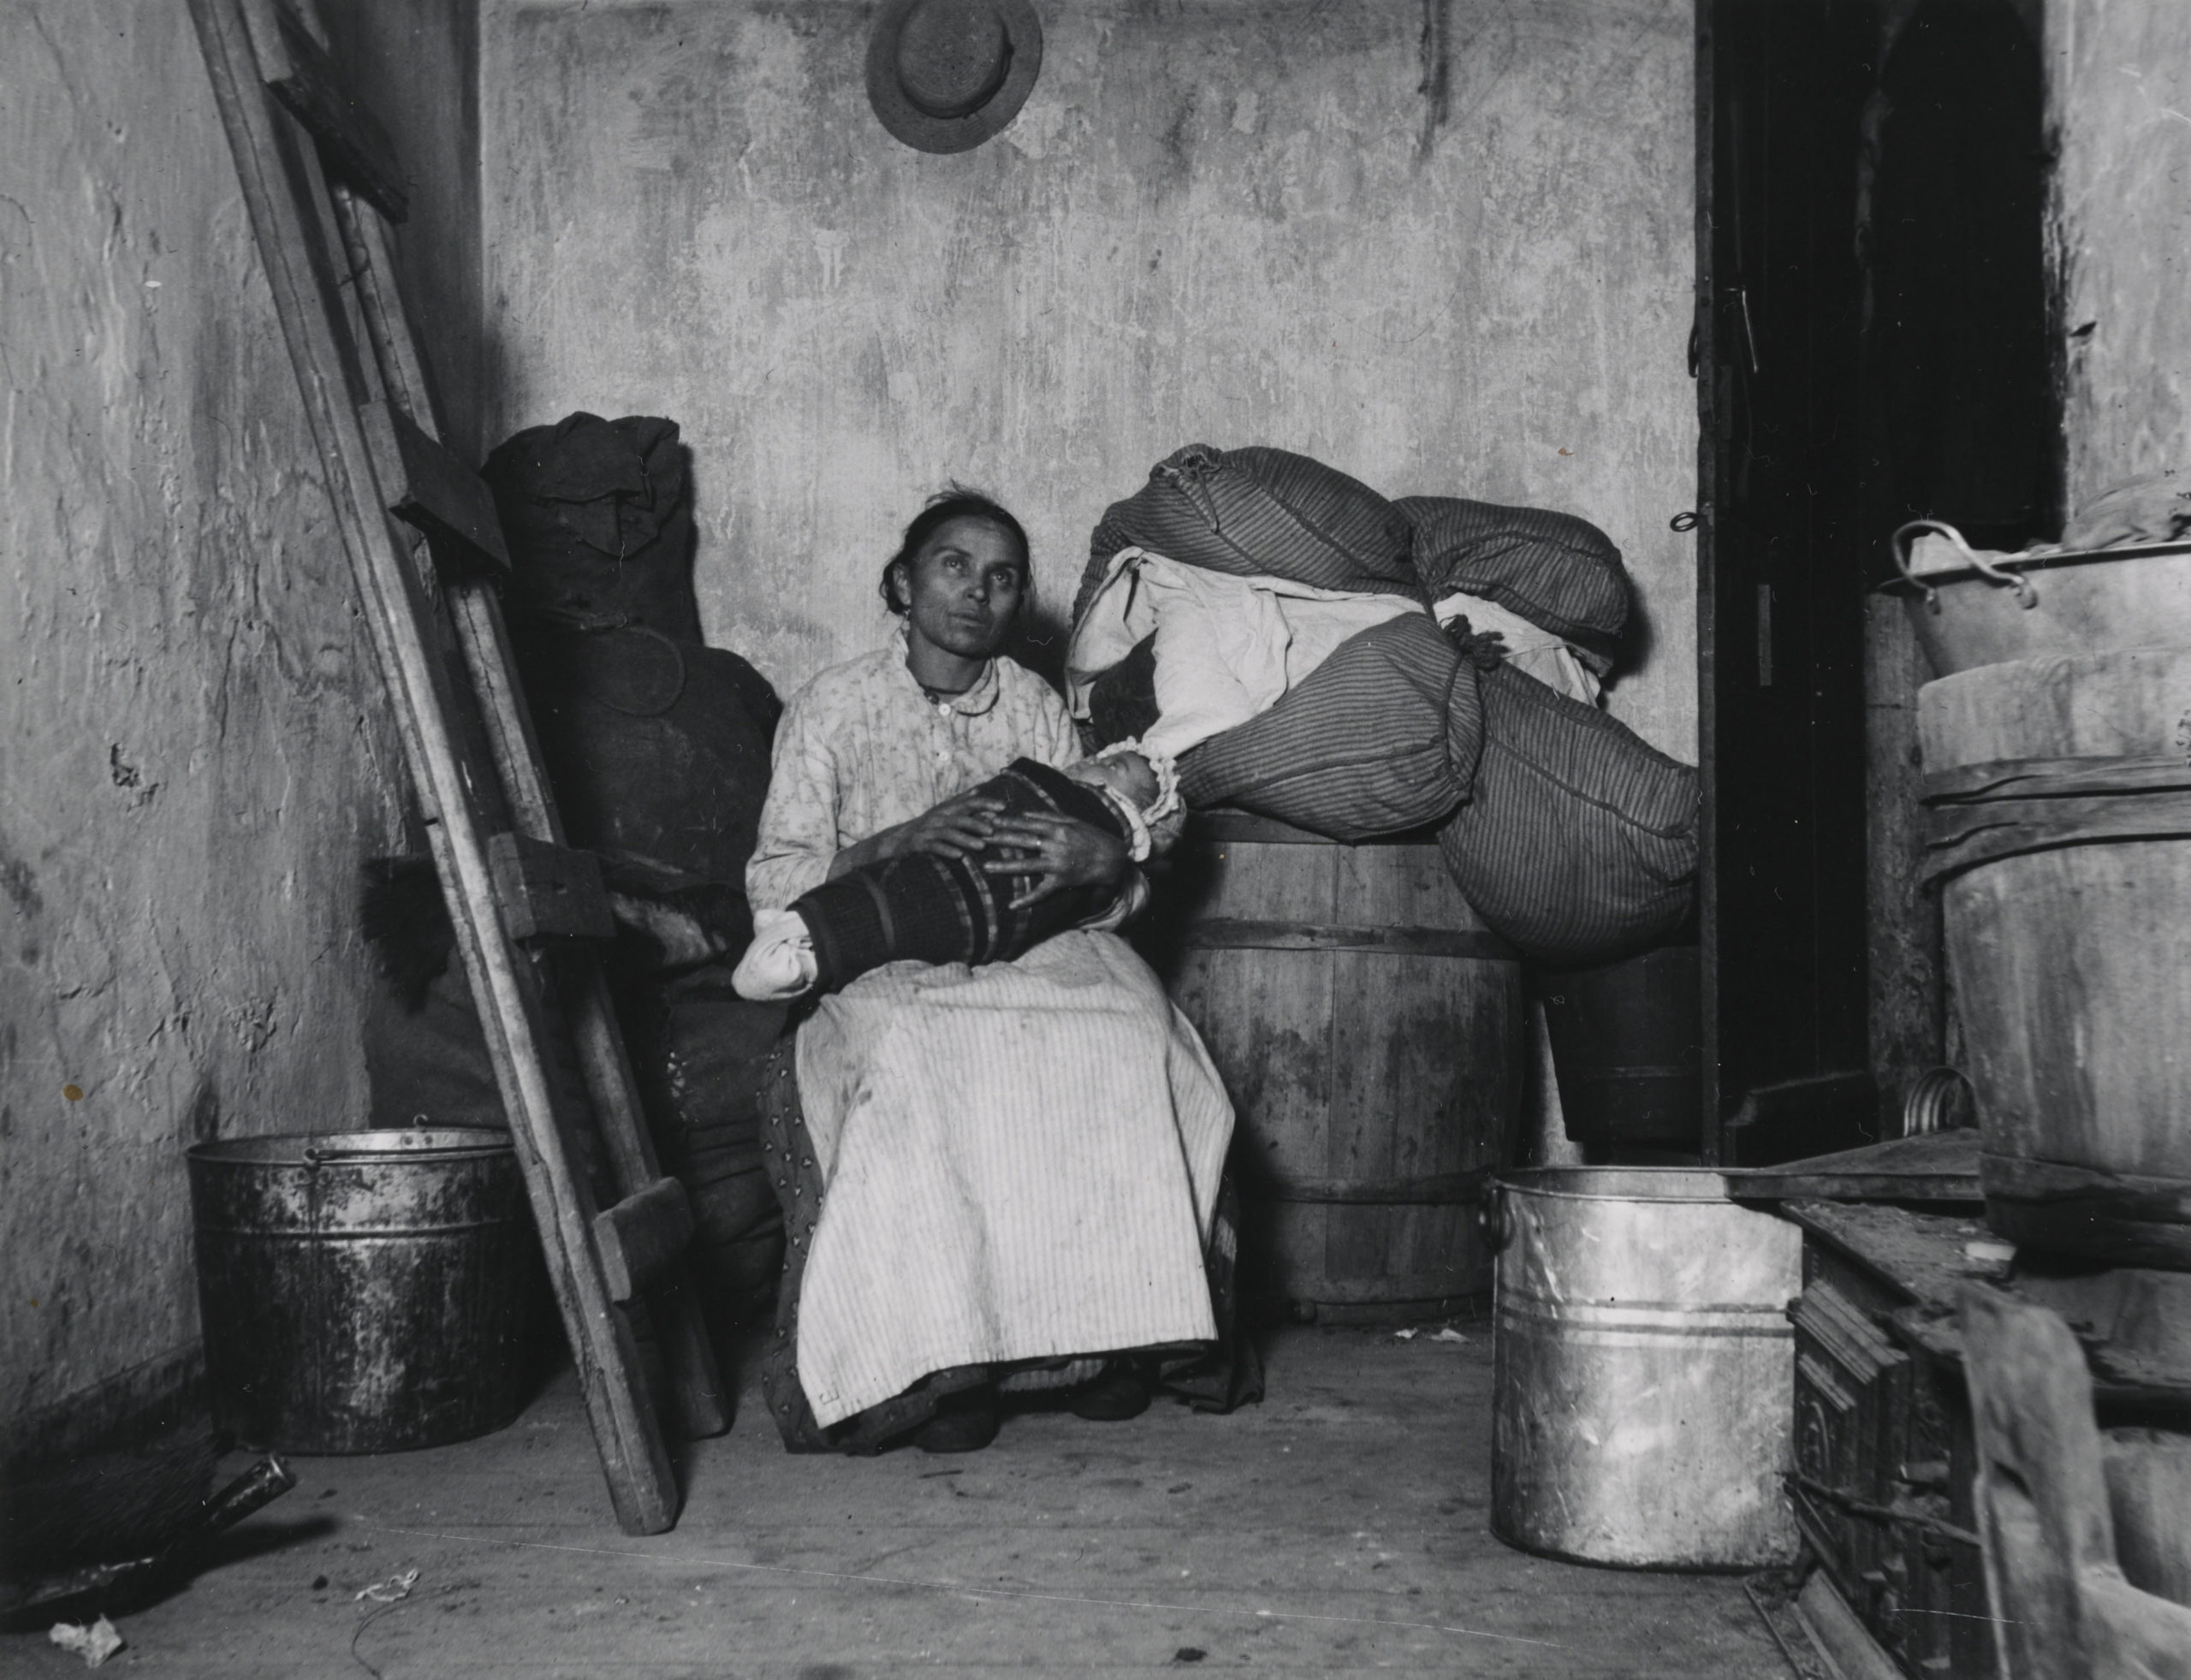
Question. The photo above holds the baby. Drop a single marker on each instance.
(948, 910)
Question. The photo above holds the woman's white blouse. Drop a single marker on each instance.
(861, 749)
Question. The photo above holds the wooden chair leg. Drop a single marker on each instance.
(2062, 1609)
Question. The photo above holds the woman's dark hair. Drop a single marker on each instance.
(958, 503)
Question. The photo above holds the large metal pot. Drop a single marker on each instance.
(364, 1292)
(1644, 1393)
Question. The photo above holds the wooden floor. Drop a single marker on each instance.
(1336, 1530)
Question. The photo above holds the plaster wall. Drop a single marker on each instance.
(192, 751)
(1444, 244)
(415, 65)
(2119, 95)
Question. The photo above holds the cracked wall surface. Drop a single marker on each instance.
(193, 750)
(1445, 245)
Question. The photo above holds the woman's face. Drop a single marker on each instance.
(962, 590)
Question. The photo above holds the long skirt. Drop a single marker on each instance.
(995, 1174)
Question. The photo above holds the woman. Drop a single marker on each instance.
(989, 1174)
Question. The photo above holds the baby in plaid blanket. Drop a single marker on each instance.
(932, 909)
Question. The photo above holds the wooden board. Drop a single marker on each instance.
(468, 743)
(1921, 1254)
(1940, 1167)
(2065, 1610)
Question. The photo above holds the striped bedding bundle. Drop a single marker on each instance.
(1380, 738)
(1059, 1204)
(1258, 513)
(929, 909)
(1560, 573)
(1570, 834)
(1578, 840)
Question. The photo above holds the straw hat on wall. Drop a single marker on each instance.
(943, 76)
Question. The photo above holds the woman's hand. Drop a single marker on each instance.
(1056, 853)
(953, 829)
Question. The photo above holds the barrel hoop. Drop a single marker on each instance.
(2054, 778)
(1436, 1189)
(1231, 933)
(352, 1233)
(1961, 834)
(1247, 829)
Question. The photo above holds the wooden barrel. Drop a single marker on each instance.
(1368, 1027)
(1627, 1044)
(2059, 819)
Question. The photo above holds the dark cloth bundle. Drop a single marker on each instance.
(1379, 739)
(1560, 572)
(654, 747)
(598, 523)
(657, 749)
(1568, 833)
(1258, 512)
(697, 1051)
(947, 909)
(1578, 842)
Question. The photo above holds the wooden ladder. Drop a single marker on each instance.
(321, 183)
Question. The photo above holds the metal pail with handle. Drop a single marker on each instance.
(365, 1292)
(1644, 1393)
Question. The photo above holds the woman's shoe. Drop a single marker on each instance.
(964, 1424)
(1117, 1395)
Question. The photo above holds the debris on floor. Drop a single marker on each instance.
(390, 1591)
(94, 1644)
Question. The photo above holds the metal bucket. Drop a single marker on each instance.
(1970, 608)
(1644, 1393)
(365, 1292)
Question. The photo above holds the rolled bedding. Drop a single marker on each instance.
(1258, 512)
(1570, 834)
(1560, 572)
(1381, 737)
(1222, 648)
(1579, 839)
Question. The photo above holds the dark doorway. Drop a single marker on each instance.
(1871, 347)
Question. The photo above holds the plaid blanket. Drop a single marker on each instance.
(927, 909)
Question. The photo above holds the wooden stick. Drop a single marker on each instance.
(290, 212)
(704, 1406)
